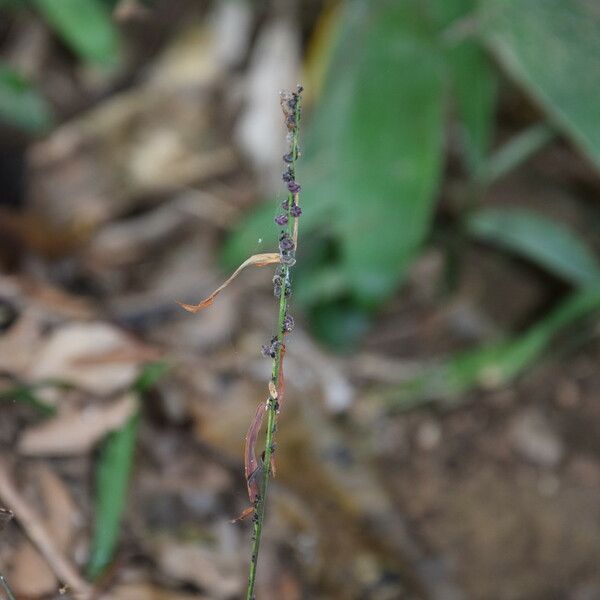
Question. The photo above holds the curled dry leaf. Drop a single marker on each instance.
(257, 260)
(31, 576)
(251, 464)
(76, 432)
(96, 357)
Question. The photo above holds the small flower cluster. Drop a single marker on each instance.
(288, 324)
(270, 350)
(289, 103)
(281, 282)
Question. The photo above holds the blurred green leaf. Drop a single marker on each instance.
(150, 375)
(495, 365)
(514, 153)
(20, 104)
(115, 462)
(474, 84)
(537, 238)
(473, 80)
(113, 472)
(552, 48)
(22, 392)
(373, 149)
(85, 26)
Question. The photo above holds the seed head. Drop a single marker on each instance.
(295, 211)
(281, 220)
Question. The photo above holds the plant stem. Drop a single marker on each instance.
(272, 402)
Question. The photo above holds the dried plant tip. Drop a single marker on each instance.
(295, 211)
(245, 514)
(257, 260)
(281, 220)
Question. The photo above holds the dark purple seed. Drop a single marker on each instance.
(287, 258)
(281, 219)
(286, 244)
(270, 350)
(295, 211)
(288, 175)
(285, 204)
(294, 187)
(288, 323)
(288, 158)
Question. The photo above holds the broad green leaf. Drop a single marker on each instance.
(495, 365)
(545, 242)
(552, 49)
(115, 463)
(20, 104)
(373, 150)
(113, 472)
(85, 26)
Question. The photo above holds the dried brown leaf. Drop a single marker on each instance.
(257, 260)
(76, 431)
(147, 591)
(58, 359)
(36, 531)
(251, 464)
(201, 566)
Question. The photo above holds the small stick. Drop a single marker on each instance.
(6, 588)
(40, 538)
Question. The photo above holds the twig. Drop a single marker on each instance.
(6, 588)
(38, 535)
(288, 241)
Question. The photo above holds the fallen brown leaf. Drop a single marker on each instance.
(33, 526)
(58, 358)
(76, 431)
(195, 564)
(147, 591)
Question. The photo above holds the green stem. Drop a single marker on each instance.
(259, 513)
